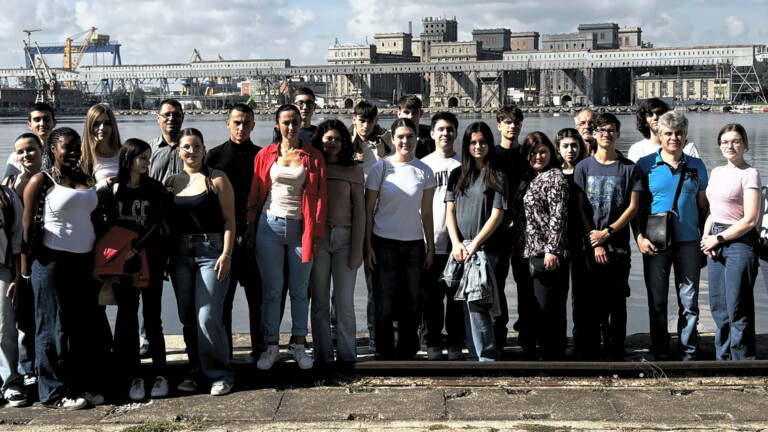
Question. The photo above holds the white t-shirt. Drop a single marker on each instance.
(399, 213)
(104, 168)
(646, 147)
(12, 166)
(441, 167)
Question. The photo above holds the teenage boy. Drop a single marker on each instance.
(647, 120)
(609, 189)
(410, 107)
(304, 99)
(235, 157)
(442, 161)
(371, 143)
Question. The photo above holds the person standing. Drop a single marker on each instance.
(101, 143)
(41, 120)
(585, 124)
(165, 159)
(662, 172)
(442, 161)
(730, 243)
(410, 107)
(609, 188)
(647, 120)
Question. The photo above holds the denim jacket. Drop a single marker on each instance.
(475, 280)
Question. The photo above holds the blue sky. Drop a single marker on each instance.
(301, 30)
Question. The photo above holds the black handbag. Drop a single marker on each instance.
(658, 228)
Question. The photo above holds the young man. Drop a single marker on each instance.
(609, 198)
(509, 121)
(165, 161)
(442, 161)
(235, 157)
(304, 99)
(371, 141)
(647, 119)
(410, 107)
(41, 120)
(584, 123)
(662, 173)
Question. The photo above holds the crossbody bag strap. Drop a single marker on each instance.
(683, 170)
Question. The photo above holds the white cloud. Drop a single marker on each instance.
(735, 27)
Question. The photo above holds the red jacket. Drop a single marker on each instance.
(313, 200)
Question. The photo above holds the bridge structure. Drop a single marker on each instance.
(738, 60)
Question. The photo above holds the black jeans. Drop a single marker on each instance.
(245, 271)
(435, 314)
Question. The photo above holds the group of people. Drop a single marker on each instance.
(91, 217)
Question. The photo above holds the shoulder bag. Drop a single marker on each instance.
(659, 226)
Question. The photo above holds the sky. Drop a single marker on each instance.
(167, 31)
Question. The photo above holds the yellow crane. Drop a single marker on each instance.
(70, 64)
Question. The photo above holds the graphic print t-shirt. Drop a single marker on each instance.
(608, 191)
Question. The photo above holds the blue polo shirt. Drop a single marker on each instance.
(661, 180)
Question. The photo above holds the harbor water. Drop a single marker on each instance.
(703, 129)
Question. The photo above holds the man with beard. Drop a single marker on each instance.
(585, 124)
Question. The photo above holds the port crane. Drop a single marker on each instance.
(45, 81)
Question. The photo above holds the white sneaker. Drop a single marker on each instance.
(300, 355)
(220, 388)
(159, 388)
(93, 398)
(434, 353)
(137, 392)
(15, 398)
(268, 357)
(69, 403)
(455, 354)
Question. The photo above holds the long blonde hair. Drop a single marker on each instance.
(89, 139)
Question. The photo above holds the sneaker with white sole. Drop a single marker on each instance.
(93, 398)
(159, 388)
(220, 388)
(455, 353)
(187, 385)
(15, 398)
(69, 403)
(30, 380)
(434, 353)
(137, 392)
(300, 355)
(268, 357)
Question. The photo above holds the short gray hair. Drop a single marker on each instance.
(674, 120)
(576, 117)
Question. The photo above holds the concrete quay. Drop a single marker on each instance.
(435, 396)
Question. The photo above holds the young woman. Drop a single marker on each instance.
(342, 250)
(571, 150)
(288, 202)
(540, 209)
(62, 259)
(202, 218)
(101, 143)
(475, 203)
(394, 240)
(730, 242)
(135, 202)
(29, 155)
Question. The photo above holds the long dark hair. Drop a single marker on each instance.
(469, 171)
(346, 155)
(283, 108)
(203, 168)
(530, 142)
(129, 151)
(571, 133)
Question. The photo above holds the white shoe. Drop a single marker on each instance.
(455, 354)
(300, 355)
(159, 388)
(434, 353)
(68, 403)
(220, 388)
(268, 357)
(137, 392)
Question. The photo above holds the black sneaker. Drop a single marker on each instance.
(69, 403)
(16, 399)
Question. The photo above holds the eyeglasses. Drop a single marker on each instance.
(301, 104)
(735, 143)
(605, 131)
(170, 115)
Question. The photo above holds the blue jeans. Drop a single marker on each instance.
(731, 297)
(200, 298)
(9, 338)
(278, 237)
(66, 306)
(332, 260)
(397, 289)
(25, 324)
(686, 257)
(478, 323)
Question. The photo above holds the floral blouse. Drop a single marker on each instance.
(540, 215)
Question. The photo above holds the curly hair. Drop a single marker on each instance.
(346, 155)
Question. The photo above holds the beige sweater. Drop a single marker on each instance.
(346, 205)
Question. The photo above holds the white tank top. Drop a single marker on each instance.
(67, 219)
(284, 198)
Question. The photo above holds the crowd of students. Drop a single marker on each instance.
(436, 232)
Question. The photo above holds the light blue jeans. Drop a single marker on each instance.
(9, 337)
(200, 299)
(332, 260)
(278, 243)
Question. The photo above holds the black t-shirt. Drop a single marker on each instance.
(474, 206)
(138, 209)
(236, 160)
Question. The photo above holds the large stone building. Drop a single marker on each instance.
(689, 86)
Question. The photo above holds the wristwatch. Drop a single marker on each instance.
(611, 231)
(720, 239)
